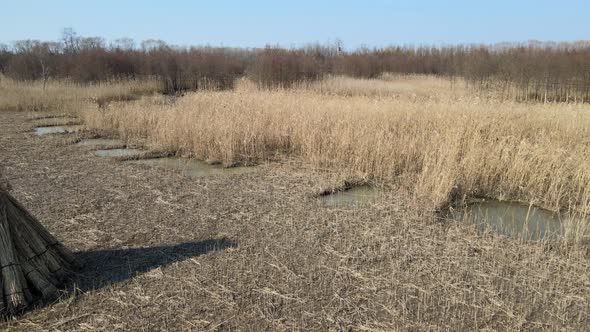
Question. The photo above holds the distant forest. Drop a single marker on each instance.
(546, 71)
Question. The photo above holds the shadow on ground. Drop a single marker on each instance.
(103, 268)
(106, 267)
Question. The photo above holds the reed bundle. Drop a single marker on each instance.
(33, 264)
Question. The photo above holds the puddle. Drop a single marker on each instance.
(119, 153)
(192, 167)
(100, 142)
(354, 196)
(512, 219)
(57, 130)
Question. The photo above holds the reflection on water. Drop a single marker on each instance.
(119, 152)
(57, 130)
(100, 142)
(354, 196)
(192, 167)
(512, 219)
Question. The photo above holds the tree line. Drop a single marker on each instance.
(545, 71)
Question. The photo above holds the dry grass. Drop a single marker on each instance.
(68, 97)
(409, 131)
(412, 87)
(447, 149)
(403, 87)
(298, 265)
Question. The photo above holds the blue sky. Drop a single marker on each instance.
(293, 23)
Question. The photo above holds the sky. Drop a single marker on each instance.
(256, 23)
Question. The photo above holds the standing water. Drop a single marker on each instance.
(100, 142)
(354, 196)
(57, 130)
(192, 167)
(512, 219)
(119, 153)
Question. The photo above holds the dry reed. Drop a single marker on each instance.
(32, 262)
(298, 265)
(447, 148)
(68, 97)
(446, 145)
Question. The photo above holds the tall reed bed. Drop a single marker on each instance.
(390, 85)
(446, 149)
(68, 97)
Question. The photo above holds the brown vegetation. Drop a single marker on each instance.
(396, 264)
(149, 238)
(68, 97)
(522, 71)
(446, 148)
(32, 262)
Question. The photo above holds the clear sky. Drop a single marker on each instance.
(255, 23)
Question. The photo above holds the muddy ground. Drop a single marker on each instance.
(257, 251)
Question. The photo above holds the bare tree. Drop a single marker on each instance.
(70, 40)
(44, 52)
(125, 44)
(91, 43)
(153, 44)
(5, 55)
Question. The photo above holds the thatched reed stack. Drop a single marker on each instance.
(33, 264)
